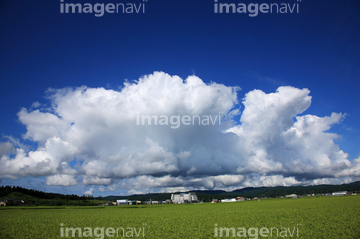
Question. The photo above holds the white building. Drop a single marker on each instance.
(342, 193)
(123, 202)
(184, 198)
(229, 200)
(292, 196)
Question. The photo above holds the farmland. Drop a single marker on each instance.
(308, 217)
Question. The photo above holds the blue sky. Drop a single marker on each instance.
(317, 48)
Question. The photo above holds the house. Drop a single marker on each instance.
(240, 199)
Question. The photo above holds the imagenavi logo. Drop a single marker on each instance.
(253, 9)
(99, 9)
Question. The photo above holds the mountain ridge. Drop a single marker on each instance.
(43, 198)
(251, 192)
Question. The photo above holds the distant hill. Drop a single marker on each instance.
(300, 190)
(15, 196)
(249, 192)
(33, 197)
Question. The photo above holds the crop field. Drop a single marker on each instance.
(311, 217)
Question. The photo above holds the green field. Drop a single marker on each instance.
(321, 217)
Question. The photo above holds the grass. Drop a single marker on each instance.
(322, 217)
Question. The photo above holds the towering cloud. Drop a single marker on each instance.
(90, 136)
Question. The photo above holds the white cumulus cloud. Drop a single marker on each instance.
(61, 179)
(91, 136)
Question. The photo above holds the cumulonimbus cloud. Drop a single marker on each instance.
(91, 136)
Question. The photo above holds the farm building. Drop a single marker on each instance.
(214, 201)
(184, 198)
(229, 200)
(152, 202)
(11, 202)
(342, 193)
(292, 196)
(123, 202)
(167, 201)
